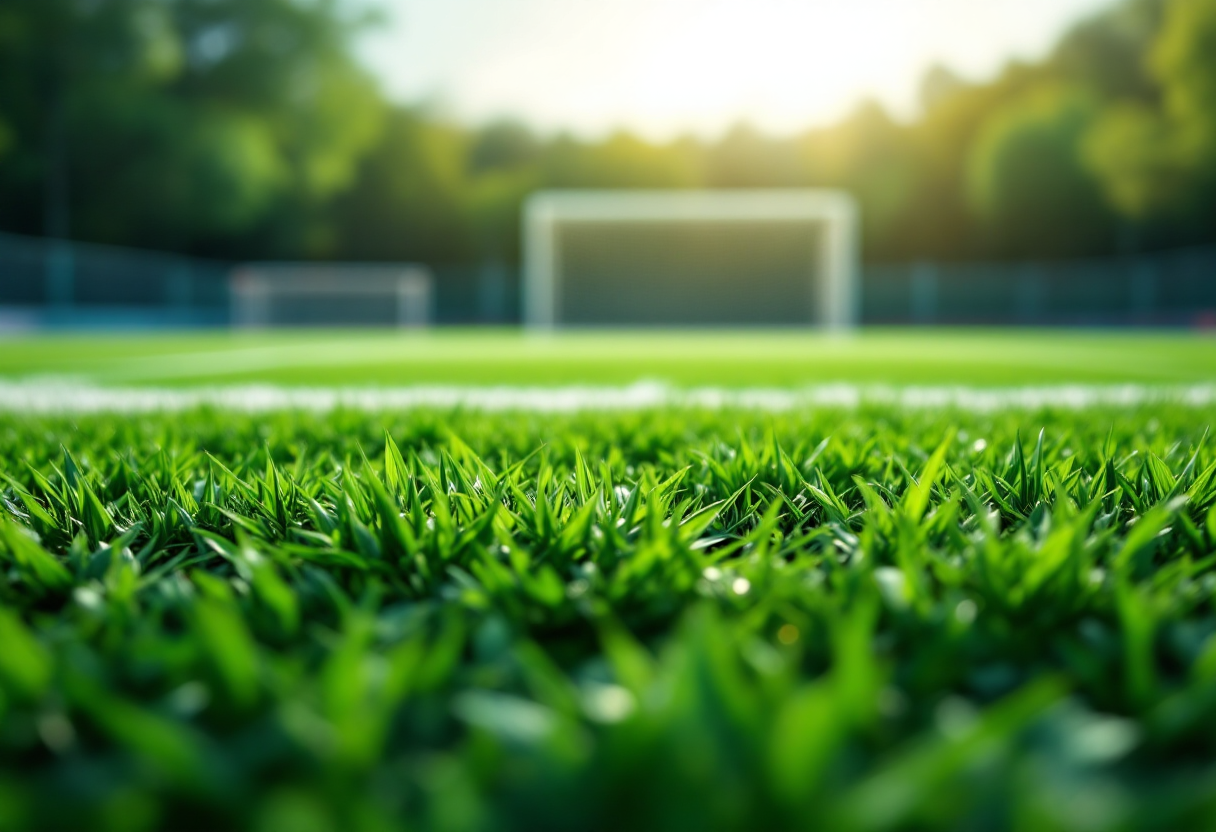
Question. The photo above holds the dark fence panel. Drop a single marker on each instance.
(58, 283)
(1166, 288)
(483, 293)
(24, 265)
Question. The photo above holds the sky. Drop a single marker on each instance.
(662, 68)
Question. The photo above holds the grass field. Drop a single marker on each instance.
(863, 618)
(729, 359)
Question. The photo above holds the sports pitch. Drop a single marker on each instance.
(732, 359)
(821, 616)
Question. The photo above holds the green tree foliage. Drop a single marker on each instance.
(746, 158)
(247, 128)
(1029, 149)
(874, 157)
(410, 198)
(1158, 158)
(1105, 54)
(621, 161)
(176, 122)
(996, 169)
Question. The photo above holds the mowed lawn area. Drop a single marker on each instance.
(976, 357)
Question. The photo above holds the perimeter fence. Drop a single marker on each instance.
(1170, 288)
(55, 284)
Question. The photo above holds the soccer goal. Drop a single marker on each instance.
(691, 258)
(331, 294)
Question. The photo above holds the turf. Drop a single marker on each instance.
(654, 620)
(726, 359)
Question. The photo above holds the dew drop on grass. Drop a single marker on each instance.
(88, 598)
(741, 586)
(56, 732)
(892, 702)
(954, 716)
(1105, 740)
(608, 703)
(507, 717)
(189, 699)
(892, 586)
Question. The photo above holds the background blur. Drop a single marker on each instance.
(1066, 173)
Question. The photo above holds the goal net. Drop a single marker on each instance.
(691, 258)
(265, 295)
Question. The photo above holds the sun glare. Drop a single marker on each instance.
(701, 64)
(667, 66)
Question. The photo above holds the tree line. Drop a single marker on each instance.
(248, 129)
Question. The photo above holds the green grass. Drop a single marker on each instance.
(863, 620)
(730, 359)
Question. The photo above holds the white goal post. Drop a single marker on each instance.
(826, 221)
(301, 294)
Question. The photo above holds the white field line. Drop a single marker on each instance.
(67, 396)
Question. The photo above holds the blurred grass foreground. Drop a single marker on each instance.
(653, 620)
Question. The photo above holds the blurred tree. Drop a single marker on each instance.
(1158, 161)
(179, 123)
(496, 202)
(940, 221)
(410, 199)
(54, 55)
(620, 161)
(870, 155)
(504, 163)
(1029, 184)
(746, 158)
(1105, 54)
(503, 145)
(246, 128)
(938, 84)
